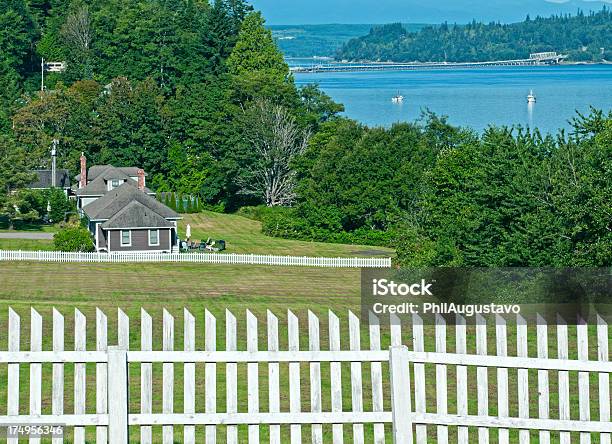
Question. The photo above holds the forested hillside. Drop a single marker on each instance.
(199, 95)
(583, 37)
(164, 84)
(320, 40)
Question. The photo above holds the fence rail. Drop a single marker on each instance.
(208, 258)
(389, 396)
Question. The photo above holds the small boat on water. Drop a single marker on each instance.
(531, 98)
(397, 98)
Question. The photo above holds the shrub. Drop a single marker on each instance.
(286, 223)
(179, 203)
(59, 204)
(73, 239)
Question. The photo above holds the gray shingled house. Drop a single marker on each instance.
(100, 179)
(122, 214)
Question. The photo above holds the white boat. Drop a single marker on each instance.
(531, 98)
(398, 98)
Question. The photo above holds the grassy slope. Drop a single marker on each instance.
(244, 236)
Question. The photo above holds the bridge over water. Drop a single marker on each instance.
(534, 60)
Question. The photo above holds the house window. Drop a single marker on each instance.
(126, 238)
(114, 184)
(153, 238)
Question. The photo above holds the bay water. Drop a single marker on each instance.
(475, 97)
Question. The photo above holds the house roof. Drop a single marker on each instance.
(135, 215)
(96, 170)
(130, 171)
(115, 200)
(43, 179)
(98, 187)
(113, 173)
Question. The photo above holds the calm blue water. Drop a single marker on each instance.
(472, 97)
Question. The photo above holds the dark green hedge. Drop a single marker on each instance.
(286, 223)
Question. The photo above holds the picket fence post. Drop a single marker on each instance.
(117, 395)
(399, 364)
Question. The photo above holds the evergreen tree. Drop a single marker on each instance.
(258, 67)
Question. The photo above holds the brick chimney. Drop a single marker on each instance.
(141, 179)
(83, 181)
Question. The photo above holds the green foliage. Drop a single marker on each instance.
(17, 31)
(258, 67)
(15, 205)
(354, 177)
(68, 114)
(443, 196)
(179, 203)
(255, 50)
(19, 207)
(580, 36)
(129, 125)
(73, 239)
(59, 204)
(318, 106)
(14, 173)
(148, 85)
(286, 223)
(517, 200)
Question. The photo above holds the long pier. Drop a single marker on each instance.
(534, 60)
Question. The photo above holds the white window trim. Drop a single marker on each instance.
(130, 235)
(149, 236)
(111, 187)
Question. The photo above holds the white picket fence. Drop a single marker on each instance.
(208, 258)
(391, 416)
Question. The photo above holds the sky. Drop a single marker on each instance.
(283, 12)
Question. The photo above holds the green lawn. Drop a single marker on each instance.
(26, 244)
(201, 287)
(244, 236)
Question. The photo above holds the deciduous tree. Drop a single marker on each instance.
(276, 140)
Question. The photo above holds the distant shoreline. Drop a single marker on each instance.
(332, 61)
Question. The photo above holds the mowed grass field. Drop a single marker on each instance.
(201, 287)
(26, 244)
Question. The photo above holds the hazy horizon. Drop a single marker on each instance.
(318, 12)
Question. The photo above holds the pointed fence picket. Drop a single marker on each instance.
(80, 382)
(405, 419)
